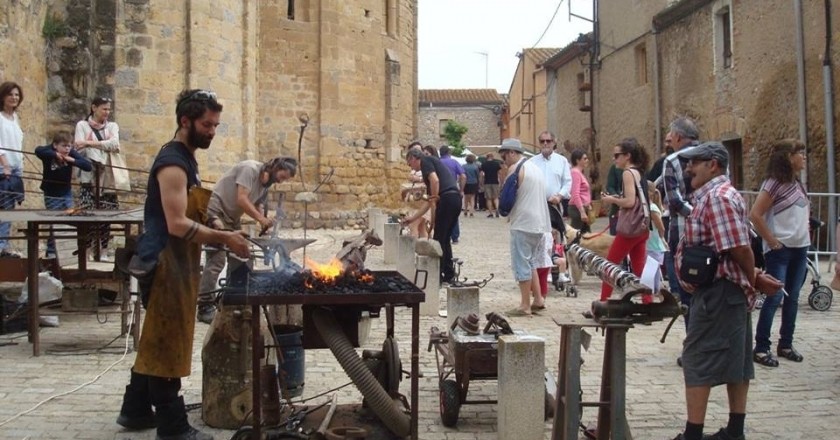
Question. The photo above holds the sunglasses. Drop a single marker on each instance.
(545, 141)
(615, 155)
(198, 95)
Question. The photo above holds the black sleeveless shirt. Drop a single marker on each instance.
(156, 233)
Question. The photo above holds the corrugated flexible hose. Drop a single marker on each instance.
(388, 410)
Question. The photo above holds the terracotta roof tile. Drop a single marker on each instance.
(460, 96)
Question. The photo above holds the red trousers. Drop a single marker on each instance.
(623, 246)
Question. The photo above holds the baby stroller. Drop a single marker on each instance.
(821, 295)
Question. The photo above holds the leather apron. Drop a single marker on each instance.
(166, 343)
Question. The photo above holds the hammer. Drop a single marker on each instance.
(320, 434)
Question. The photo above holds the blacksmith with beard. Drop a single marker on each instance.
(167, 266)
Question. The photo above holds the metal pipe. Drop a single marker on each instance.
(828, 84)
(800, 81)
(657, 106)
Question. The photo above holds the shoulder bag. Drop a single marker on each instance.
(635, 221)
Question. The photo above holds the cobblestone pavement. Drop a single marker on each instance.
(793, 401)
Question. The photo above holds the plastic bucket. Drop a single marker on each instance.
(291, 370)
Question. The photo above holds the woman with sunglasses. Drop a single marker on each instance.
(630, 157)
(11, 159)
(98, 140)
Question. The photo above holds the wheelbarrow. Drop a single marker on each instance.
(466, 355)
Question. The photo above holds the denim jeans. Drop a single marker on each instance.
(56, 203)
(674, 284)
(788, 265)
(7, 202)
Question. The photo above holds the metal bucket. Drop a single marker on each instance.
(291, 370)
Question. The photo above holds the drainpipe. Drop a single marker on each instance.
(800, 80)
(657, 111)
(829, 125)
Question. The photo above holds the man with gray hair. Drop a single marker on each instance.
(558, 177)
(683, 134)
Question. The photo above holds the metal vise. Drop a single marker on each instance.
(623, 310)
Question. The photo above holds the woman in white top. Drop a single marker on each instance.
(98, 139)
(11, 158)
(780, 216)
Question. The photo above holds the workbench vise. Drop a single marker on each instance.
(626, 285)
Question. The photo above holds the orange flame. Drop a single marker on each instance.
(366, 278)
(326, 273)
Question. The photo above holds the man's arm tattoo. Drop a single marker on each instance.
(191, 232)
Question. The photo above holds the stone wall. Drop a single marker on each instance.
(569, 124)
(355, 76)
(756, 99)
(481, 121)
(22, 47)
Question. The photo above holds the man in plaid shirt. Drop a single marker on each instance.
(718, 344)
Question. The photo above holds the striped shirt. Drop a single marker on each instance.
(719, 220)
(787, 218)
(677, 189)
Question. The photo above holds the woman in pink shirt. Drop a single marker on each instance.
(581, 197)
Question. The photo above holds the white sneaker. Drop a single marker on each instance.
(563, 278)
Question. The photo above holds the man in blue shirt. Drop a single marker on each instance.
(458, 173)
(558, 177)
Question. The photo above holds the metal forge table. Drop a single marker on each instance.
(371, 300)
(38, 223)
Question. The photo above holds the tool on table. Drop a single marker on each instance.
(297, 417)
(321, 432)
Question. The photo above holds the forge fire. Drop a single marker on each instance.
(326, 280)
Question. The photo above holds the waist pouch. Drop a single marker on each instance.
(699, 265)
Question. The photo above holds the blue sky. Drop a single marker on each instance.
(454, 34)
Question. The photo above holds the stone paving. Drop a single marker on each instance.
(794, 401)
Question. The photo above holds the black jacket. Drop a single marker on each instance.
(57, 175)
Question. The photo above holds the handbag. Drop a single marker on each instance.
(635, 221)
(507, 196)
(698, 265)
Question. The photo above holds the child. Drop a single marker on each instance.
(558, 257)
(656, 244)
(58, 162)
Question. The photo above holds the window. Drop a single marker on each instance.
(723, 35)
(581, 80)
(442, 128)
(641, 65)
(290, 10)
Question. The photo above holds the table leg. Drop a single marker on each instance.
(256, 412)
(415, 367)
(32, 286)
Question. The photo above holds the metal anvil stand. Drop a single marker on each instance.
(611, 404)
(616, 316)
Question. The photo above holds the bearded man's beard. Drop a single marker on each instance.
(197, 140)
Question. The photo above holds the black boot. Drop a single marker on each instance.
(172, 423)
(136, 412)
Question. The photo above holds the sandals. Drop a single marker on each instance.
(516, 312)
(536, 308)
(766, 359)
(789, 354)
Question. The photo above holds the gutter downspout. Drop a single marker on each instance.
(828, 85)
(657, 111)
(800, 80)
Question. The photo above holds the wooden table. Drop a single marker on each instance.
(38, 225)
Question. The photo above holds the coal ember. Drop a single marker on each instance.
(306, 283)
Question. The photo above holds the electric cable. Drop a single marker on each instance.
(548, 26)
(96, 378)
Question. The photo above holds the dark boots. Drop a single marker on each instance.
(172, 423)
(136, 412)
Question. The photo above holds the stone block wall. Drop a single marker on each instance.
(481, 121)
(22, 47)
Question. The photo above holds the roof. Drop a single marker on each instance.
(569, 53)
(676, 12)
(540, 54)
(460, 97)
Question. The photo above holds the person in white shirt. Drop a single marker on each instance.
(529, 222)
(557, 176)
(11, 159)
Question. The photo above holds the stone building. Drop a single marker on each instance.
(480, 110)
(351, 67)
(730, 64)
(527, 96)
